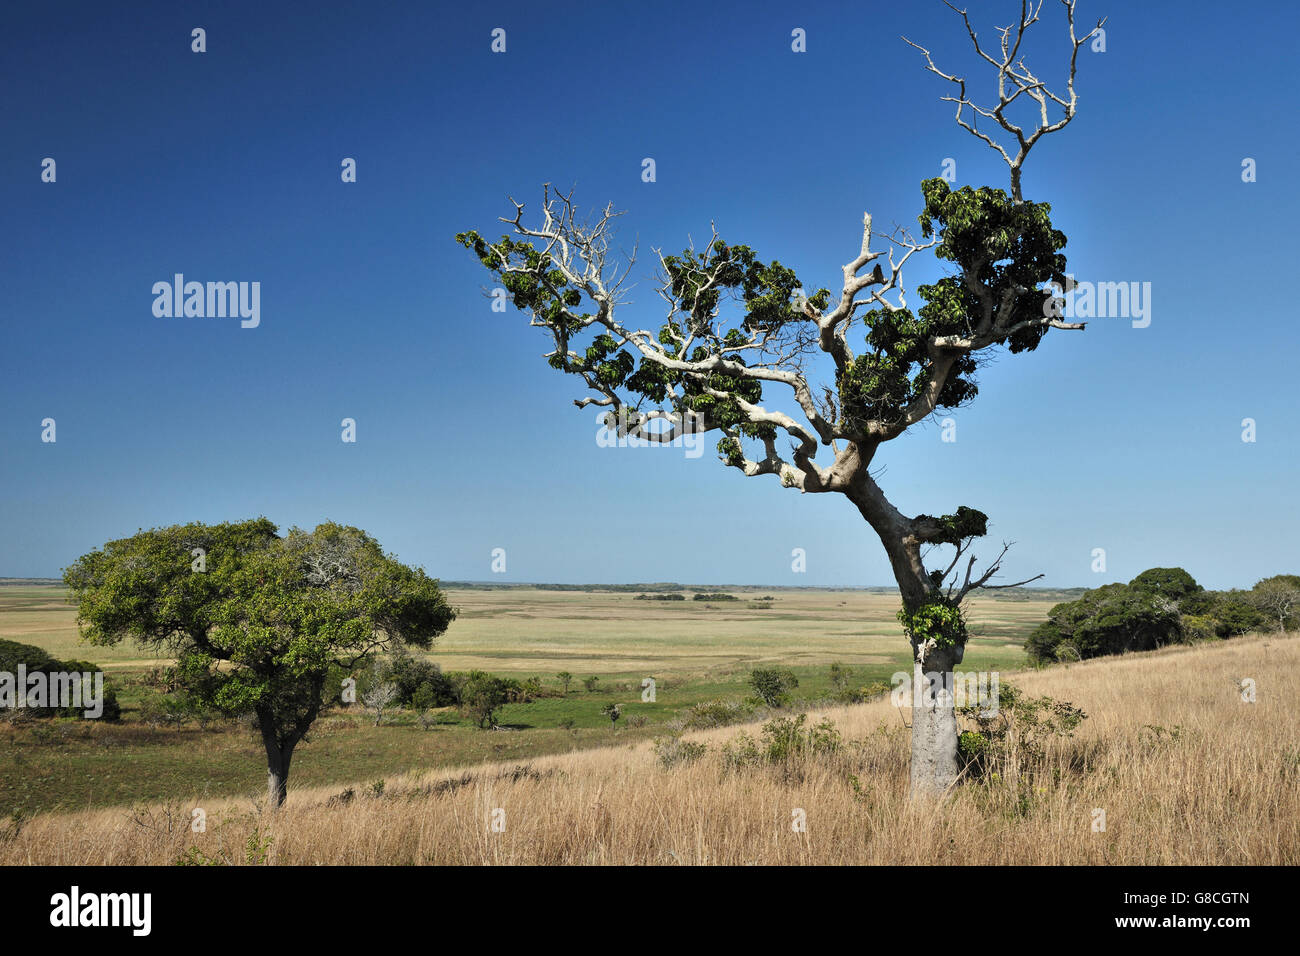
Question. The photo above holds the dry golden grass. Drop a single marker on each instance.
(1219, 783)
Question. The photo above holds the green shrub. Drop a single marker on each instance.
(860, 695)
(1234, 614)
(36, 661)
(672, 751)
(715, 713)
(773, 684)
(158, 710)
(973, 749)
(1200, 627)
(787, 738)
(112, 709)
(411, 674)
(741, 751)
(33, 658)
(481, 694)
(783, 739)
(1021, 725)
(840, 676)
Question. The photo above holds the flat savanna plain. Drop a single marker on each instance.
(1185, 769)
(696, 651)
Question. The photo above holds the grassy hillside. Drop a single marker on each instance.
(1185, 770)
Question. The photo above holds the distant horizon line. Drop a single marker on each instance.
(633, 586)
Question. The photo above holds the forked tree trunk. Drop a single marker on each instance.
(934, 725)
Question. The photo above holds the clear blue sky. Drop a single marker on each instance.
(225, 166)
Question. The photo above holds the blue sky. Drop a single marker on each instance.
(225, 166)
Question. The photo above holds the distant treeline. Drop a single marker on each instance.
(1013, 594)
(1161, 606)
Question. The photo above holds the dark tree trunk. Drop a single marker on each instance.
(277, 774)
(279, 752)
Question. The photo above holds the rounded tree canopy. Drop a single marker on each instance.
(280, 610)
(1173, 583)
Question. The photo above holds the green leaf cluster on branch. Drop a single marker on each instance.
(937, 623)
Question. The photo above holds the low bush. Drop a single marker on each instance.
(783, 739)
(715, 713)
(1012, 738)
(672, 751)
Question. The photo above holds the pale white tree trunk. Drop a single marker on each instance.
(934, 726)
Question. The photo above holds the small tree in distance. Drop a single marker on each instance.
(379, 695)
(612, 711)
(481, 695)
(773, 684)
(892, 365)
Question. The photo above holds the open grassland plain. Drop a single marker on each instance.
(696, 650)
(1186, 771)
(526, 630)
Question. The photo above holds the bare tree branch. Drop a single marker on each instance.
(1015, 79)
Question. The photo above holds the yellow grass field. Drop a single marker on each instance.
(1184, 769)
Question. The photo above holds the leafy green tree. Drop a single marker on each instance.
(257, 621)
(34, 660)
(741, 335)
(482, 695)
(1199, 627)
(423, 702)
(773, 684)
(1234, 613)
(1111, 619)
(840, 675)
(565, 678)
(412, 674)
(590, 683)
(1172, 583)
(612, 711)
(1279, 598)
